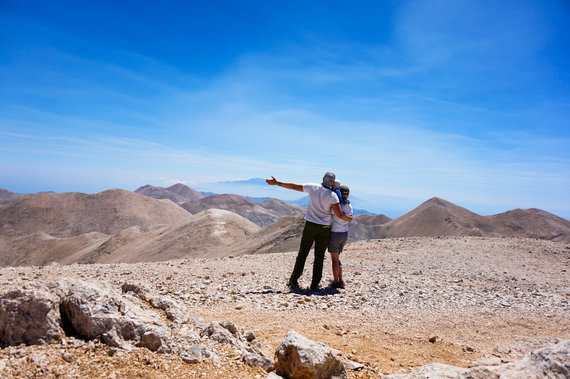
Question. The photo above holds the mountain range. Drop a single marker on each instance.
(157, 224)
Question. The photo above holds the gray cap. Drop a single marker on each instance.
(328, 180)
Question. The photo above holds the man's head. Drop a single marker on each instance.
(336, 185)
(328, 180)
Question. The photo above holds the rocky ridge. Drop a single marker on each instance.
(466, 302)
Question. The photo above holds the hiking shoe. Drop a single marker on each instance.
(315, 287)
(293, 284)
(340, 285)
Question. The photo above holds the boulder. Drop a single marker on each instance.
(90, 311)
(29, 315)
(226, 332)
(552, 361)
(195, 354)
(298, 357)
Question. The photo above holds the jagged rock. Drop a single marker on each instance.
(300, 357)
(188, 335)
(549, 362)
(198, 322)
(227, 333)
(195, 354)
(175, 311)
(354, 366)
(217, 332)
(92, 312)
(230, 326)
(248, 334)
(257, 359)
(29, 315)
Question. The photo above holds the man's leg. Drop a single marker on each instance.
(306, 243)
(321, 244)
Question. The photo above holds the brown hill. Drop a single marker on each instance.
(8, 195)
(366, 226)
(249, 209)
(122, 226)
(64, 227)
(282, 209)
(40, 249)
(111, 226)
(368, 219)
(209, 233)
(533, 223)
(178, 193)
(160, 193)
(281, 236)
(74, 213)
(186, 192)
(438, 217)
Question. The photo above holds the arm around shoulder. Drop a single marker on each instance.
(340, 214)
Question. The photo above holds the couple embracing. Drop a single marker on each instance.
(326, 224)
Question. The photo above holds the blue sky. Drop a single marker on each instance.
(404, 100)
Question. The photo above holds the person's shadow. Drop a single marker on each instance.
(328, 291)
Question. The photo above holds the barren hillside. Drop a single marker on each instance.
(189, 194)
(438, 217)
(534, 223)
(72, 214)
(208, 233)
(178, 193)
(8, 195)
(368, 219)
(283, 235)
(112, 226)
(261, 214)
(122, 226)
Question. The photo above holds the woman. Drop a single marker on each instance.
(339, 237)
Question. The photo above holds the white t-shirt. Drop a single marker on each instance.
(339, 225)
(321, 200)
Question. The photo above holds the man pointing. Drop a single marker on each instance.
(317, 225)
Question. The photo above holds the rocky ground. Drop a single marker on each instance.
(408, 302)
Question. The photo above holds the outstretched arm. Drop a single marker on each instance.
(291, 186)
(340, 214)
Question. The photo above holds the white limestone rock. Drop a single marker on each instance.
(29, 315)
(300, 357)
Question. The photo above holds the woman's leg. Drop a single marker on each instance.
(337, 275)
